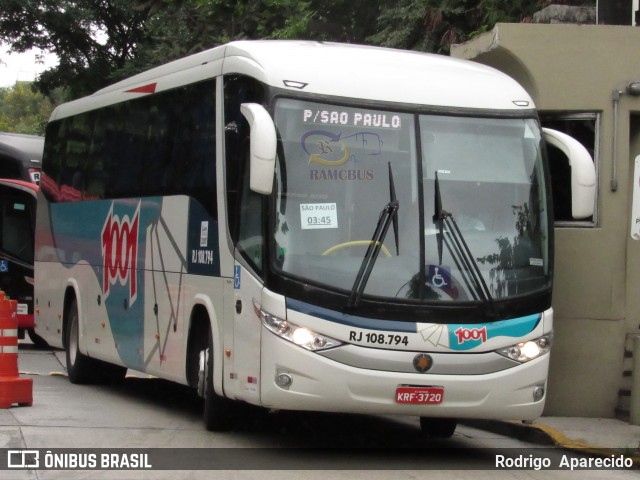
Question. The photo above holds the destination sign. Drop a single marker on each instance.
(352, 118)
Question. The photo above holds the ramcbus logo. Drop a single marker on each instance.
(120, 251)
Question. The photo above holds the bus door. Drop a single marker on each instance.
(249, 257)
(246, 213)
(246, 342)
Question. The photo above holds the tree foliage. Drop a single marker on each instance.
(434, 25)
(174, 29)
(91, 38)
(101, 41)
(22, 110)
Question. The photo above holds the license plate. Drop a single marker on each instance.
(420, 395)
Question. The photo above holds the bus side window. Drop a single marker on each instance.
(244, 207)
(250, 224)
(16, 230)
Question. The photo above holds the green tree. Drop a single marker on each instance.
(92, 38)
(179, 28)
(434, 25)
(102, 41)
(23, 111)
(351, 21)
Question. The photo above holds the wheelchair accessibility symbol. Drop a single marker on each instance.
(439, 276)
(4, 266)
(438, 280)
(236, 277)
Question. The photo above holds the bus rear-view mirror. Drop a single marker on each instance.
(263, 147)
(583, 172)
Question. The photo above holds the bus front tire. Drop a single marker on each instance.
(217, 410)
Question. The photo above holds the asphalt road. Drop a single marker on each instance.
(164, 420)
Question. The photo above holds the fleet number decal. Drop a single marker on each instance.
(466, 334)
(120, 252)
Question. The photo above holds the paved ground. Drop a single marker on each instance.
(599, 436)
(145, 413)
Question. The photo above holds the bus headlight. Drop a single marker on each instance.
(301, 336)
(525, 351)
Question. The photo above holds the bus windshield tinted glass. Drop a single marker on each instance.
(16, 227)
(333, 183)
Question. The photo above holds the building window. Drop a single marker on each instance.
(584, 127)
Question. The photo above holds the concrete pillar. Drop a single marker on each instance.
(634, 410)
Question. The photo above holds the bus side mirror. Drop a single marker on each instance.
(583, 172)
(262, 156)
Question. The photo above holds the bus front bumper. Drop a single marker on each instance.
(317, 383)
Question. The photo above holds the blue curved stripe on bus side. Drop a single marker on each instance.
(77, 230)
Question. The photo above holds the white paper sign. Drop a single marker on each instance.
(204, 233)
(318, 215)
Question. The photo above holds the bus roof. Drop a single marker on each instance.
(22, 147)
(341, 70)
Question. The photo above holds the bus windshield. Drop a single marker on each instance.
(471, 220)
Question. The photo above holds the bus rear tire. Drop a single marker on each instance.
(80, 368)
(217, 410)
(438, 427)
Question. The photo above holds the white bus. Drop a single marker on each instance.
(307, 226)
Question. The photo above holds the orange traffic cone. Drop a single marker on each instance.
(13, 389)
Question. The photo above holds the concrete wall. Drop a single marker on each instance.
(576, 68)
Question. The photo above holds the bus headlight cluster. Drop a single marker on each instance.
(301, 336)
(525, 351)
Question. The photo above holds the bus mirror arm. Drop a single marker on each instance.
(583, 172)
(263, 147)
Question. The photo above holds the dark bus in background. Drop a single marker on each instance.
(21, 156)
(17, 229)
(20, 165)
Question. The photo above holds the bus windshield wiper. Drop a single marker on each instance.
(459, 250)
(388, 217)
